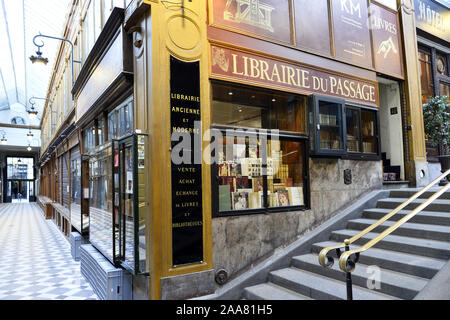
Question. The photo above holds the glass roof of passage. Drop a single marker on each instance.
(20, 80)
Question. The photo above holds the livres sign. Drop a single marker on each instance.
(249, 68)
(386, 40)
(187, 213)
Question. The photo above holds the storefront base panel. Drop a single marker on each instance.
(187, 286)
(240, 242)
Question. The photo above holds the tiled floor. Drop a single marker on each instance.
(35, 259)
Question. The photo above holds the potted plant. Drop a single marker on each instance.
(436, 115)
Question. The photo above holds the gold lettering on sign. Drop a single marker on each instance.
(251, 12)
(262, 70)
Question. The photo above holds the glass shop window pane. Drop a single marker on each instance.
(112, 126)
(353, 132)
(444, 90)
(330, 126)
(240, 174)
(101, 131)
(369, 128)
(285, 173)
(128, 203)
(129, 117)
(253, 108)
(100, 204)
(75, 205)
(121, 120)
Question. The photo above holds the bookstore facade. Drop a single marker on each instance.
(210, 133)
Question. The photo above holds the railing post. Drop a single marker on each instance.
(348, 275)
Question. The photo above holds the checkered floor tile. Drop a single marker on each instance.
(35, 262)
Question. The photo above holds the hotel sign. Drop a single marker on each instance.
(433, 18)
(232, 65)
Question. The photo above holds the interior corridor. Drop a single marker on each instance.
(36, 263)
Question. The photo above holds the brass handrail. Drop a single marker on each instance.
(344, 263)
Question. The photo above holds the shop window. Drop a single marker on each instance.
(100, 200)
(247, 107)
(256, 172)
(112, 126)
(362, 132)
(257, 169)
(89, 138)
(101, 130)
(75, 204)
(120, 121)
(327, 126)
(426, 78)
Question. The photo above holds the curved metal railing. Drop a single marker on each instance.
(349, 258)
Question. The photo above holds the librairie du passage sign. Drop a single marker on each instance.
(187, 213)
(233, 65)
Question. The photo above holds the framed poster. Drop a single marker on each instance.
(312, 26)
(386, 40)
(351, 31)
(264, 18)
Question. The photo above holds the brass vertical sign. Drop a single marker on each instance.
(187, 213)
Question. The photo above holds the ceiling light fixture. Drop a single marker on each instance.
(4, 140)
(29, 148)
(32, 113)
(39, 58)
(30, 136)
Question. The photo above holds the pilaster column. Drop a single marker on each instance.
(416, 160)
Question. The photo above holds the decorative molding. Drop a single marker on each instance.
(407, 6)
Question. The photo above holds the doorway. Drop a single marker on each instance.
(20, 191)
(391, 131)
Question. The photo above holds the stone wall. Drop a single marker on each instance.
(239, 242)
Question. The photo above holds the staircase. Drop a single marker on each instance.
(389, 169)
(406, 260)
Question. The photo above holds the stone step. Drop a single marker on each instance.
(424, 267)
(270, 291)
(320, 287)
(417, 246)
(409, 192)
(441, 205)
(417, 230)
(385, 281)
(428, 217)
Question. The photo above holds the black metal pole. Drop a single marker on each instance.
(349, 279)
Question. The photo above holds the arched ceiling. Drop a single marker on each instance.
(20, 80)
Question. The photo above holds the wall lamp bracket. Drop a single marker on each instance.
(39, 57)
